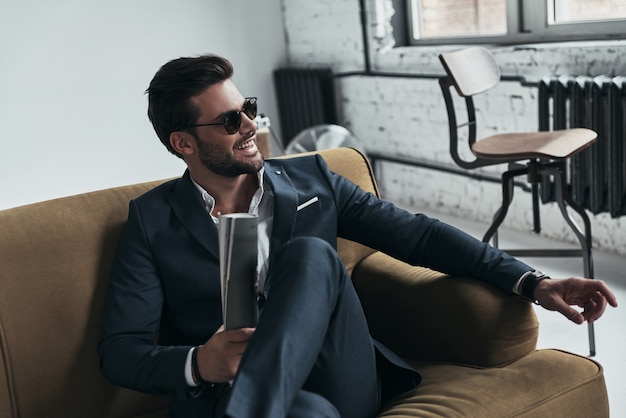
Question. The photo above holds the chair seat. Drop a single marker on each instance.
(554, 145)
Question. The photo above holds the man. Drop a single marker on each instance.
(310, 353)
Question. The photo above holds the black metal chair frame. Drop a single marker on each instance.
(534, 170)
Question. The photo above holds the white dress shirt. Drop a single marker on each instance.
(262, 205)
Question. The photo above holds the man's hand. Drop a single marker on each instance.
(219, 358)
(589, 294)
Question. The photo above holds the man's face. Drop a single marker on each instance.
(228, 155)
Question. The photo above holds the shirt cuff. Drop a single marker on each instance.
(188, 373)
(517, 288)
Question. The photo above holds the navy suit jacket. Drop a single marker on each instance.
(166, 273)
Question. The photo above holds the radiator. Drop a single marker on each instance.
(597, 176)
(306, 97)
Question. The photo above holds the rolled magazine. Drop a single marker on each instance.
(238, 237)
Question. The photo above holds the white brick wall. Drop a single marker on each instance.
(406, 116)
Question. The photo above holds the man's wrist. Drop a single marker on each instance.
(195, 370)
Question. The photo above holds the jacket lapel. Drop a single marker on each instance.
(188, 206)
(285, 203)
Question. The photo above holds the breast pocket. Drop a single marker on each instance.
(312, 201)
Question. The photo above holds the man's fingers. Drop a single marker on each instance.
(595, 307)
(239, 335)
(573, 315)
(569, 312)
(604, 291)
(592, 296)
(610, 297)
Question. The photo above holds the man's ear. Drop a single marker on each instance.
(182, 142)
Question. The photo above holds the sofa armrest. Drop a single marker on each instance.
(424, 315)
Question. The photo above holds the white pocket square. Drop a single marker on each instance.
(307, 203)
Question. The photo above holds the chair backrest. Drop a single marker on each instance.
(472, 70)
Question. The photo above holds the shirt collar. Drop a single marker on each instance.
(209, 201)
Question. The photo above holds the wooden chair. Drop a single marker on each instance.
(473, 71)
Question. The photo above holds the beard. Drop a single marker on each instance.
(221, 162)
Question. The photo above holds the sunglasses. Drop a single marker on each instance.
(232, 119)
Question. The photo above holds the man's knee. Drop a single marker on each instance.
(311, 259)
(310, 245)
(308, 251)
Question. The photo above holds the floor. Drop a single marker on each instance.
(557, 332)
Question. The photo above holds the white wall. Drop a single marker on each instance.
(73, 75)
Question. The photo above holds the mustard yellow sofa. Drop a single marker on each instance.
(475, 347)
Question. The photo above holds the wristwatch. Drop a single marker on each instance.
(530, 282)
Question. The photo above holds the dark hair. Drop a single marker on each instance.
(169, 105)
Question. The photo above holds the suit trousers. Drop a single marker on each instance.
(311, 354)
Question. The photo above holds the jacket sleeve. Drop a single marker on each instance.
(418, 239)
(129, 356)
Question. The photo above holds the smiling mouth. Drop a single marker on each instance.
(247, 144)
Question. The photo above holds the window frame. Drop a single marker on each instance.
(526, 24)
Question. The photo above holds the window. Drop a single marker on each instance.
(514, 21)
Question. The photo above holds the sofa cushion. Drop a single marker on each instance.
(435, 317)
(546, 383)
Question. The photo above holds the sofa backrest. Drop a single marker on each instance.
(55, 259)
